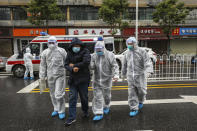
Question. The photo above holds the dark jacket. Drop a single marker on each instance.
(80, 60)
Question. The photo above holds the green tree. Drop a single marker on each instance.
(112, 11)
(41, 11)
(169, 14)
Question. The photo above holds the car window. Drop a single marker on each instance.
(35, 48)
(44, 46)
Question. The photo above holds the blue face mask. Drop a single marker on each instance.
(76, 49)
(130, 47)
(100, 53)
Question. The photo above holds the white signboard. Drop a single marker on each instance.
(91, 31)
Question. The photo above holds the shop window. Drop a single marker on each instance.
(143, 14)
(192, 15)
(149, 13)
(83, 13)
(63, 10)
(19, 14)
(5, 14)
(131, 14)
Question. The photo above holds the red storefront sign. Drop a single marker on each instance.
(36, 31)
(143, 32)
(176, 31)
(91, 31)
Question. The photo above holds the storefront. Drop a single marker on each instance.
(153, 38)
(6, 48)
(23, 36)
(185, 41)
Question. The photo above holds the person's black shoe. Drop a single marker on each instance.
(69, 122)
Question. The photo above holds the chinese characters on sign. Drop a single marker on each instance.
(38, 31)
(91, 31)
(188, 31)
(176, 31)
(149, 31)
(142, 31)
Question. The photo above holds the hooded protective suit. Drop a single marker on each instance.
(52, 67)
(105, 68)
(136, 66)
(28, 63)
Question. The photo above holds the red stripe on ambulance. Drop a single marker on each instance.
(22, 62)
(85, 40)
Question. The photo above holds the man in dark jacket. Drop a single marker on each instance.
(77, 63)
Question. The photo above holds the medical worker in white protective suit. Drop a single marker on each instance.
(52, 67)
(28, 64)
(105, 68)
(137, 66)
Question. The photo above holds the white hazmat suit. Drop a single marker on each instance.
(52, 67)
(136, 66)
(105, 68)
(28, 64)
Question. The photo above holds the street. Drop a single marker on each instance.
(169, 106)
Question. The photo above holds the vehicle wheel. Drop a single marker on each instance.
(19, 71)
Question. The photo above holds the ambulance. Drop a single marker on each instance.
(15, 64)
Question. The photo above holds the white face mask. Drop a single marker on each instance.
(51, 46)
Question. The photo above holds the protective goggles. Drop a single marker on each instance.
(131, 43)
(52, 41)
(99, 49)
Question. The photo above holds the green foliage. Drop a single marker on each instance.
(169, 14)
(111, 12)
(41, 11)
(124, 25)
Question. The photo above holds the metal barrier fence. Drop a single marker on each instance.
(174, 67)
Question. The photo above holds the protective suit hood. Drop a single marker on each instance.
(28, 50)
(76, 41)
(100, 44)
(52, 39)
(132, 40)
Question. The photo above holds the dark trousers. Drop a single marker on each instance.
(82, 89)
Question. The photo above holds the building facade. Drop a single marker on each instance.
(82, 18)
